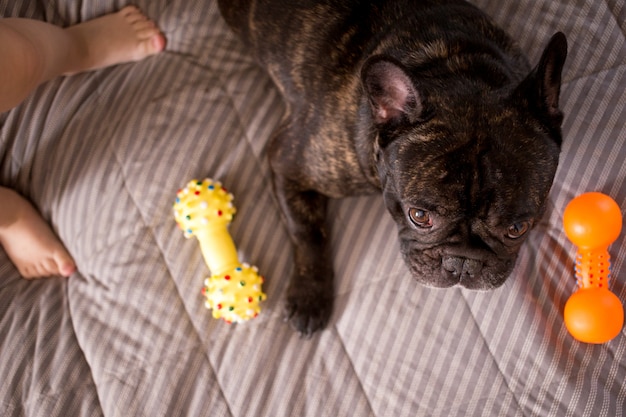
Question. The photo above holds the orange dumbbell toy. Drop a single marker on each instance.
(593, 314)
(204, 209)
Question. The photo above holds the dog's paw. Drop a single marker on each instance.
(308, 307)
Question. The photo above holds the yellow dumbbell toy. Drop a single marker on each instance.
(204, 209)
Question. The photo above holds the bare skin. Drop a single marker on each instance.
(29, 241)
(34, 52)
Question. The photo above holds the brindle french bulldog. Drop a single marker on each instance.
(428, 102)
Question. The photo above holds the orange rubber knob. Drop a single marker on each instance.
(592, 220)
(594, 315)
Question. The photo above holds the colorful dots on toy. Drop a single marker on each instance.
(235, 299)
(593, 314)
(204, 209)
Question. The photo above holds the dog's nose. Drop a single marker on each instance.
(462, 267)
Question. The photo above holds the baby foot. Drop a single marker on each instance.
(30, 243)
(124, 36)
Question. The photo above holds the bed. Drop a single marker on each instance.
(102, 154)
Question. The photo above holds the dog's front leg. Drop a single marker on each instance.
(309, 299)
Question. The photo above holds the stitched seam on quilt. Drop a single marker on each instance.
(615, 18)
(82, 351)
(594, 74)
(493, 356)
(343, 347)
(248, 143)
(171, 277)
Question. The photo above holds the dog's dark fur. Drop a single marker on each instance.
(428, 102)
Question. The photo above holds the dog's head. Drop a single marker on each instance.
(465, 166)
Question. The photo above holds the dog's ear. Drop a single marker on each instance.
(542, 87)
(391, 92)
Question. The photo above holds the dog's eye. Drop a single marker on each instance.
(420, 218)
(517, 230)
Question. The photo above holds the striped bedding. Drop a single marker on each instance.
(102, 154)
